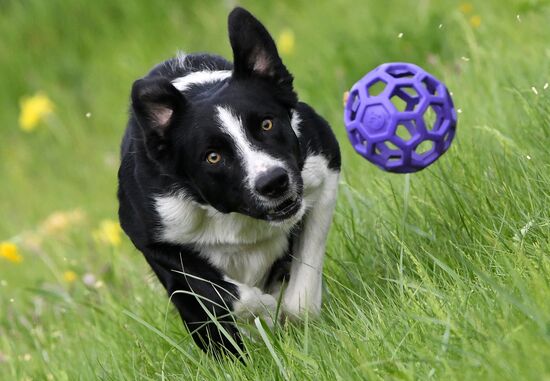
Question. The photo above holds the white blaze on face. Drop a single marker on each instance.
(200, 78)
(255, 162)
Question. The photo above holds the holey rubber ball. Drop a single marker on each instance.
(400, 118)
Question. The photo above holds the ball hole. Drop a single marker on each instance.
(405, 130)
(376, 88)
(391, 146)
(399, 103)
(447, 140)
(431, 85)
(357, 137)
(353, 105)
(424, 148)
(394, 159)
(410, 91)
(433, 117)
(399, 71)
(405, 98)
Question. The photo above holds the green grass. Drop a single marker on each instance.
(443, 274)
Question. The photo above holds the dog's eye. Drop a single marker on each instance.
(213, 157)
(267, 124)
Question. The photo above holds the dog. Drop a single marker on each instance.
(227, 185)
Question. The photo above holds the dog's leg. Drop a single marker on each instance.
(198, 291)
(303, 293)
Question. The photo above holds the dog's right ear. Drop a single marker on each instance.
(156, 104)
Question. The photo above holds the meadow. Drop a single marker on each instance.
(439, 275)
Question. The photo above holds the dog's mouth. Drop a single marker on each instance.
(284, 210)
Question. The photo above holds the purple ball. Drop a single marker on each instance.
(400, 117)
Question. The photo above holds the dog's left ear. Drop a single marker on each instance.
(254, 51)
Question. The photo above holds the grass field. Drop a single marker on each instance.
(443, 274)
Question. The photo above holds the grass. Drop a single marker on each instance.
(443, 274)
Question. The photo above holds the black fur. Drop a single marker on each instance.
(163, 149)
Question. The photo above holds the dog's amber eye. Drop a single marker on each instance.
(267, 124)
(213, 157)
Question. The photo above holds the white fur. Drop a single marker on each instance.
(179, 61)
(303, 293)
(244, 248)
(255, 161)
(253, 302)
(295, 122)
(200, 77)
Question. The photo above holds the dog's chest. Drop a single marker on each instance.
(242, 247)
(245, 249)
(247, 263)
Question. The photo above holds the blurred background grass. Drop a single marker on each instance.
(445, 277)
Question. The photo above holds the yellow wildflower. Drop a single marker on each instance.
(475, 21)
(69, 276)
(10, 252)
(109, 232)
(33, 110)
(59, 221)
(285, 42)
(466, 8)
(55, 223)
(345, 98)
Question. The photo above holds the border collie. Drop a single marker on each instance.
(227, 185)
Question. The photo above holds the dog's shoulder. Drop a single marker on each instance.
(316, 136)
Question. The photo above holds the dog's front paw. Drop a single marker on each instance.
(254, 302)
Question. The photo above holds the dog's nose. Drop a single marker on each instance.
(273, 183)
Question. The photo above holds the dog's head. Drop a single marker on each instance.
(233, 146)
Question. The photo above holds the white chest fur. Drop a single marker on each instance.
(242, 247)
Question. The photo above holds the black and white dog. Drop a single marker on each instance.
(227, 185)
